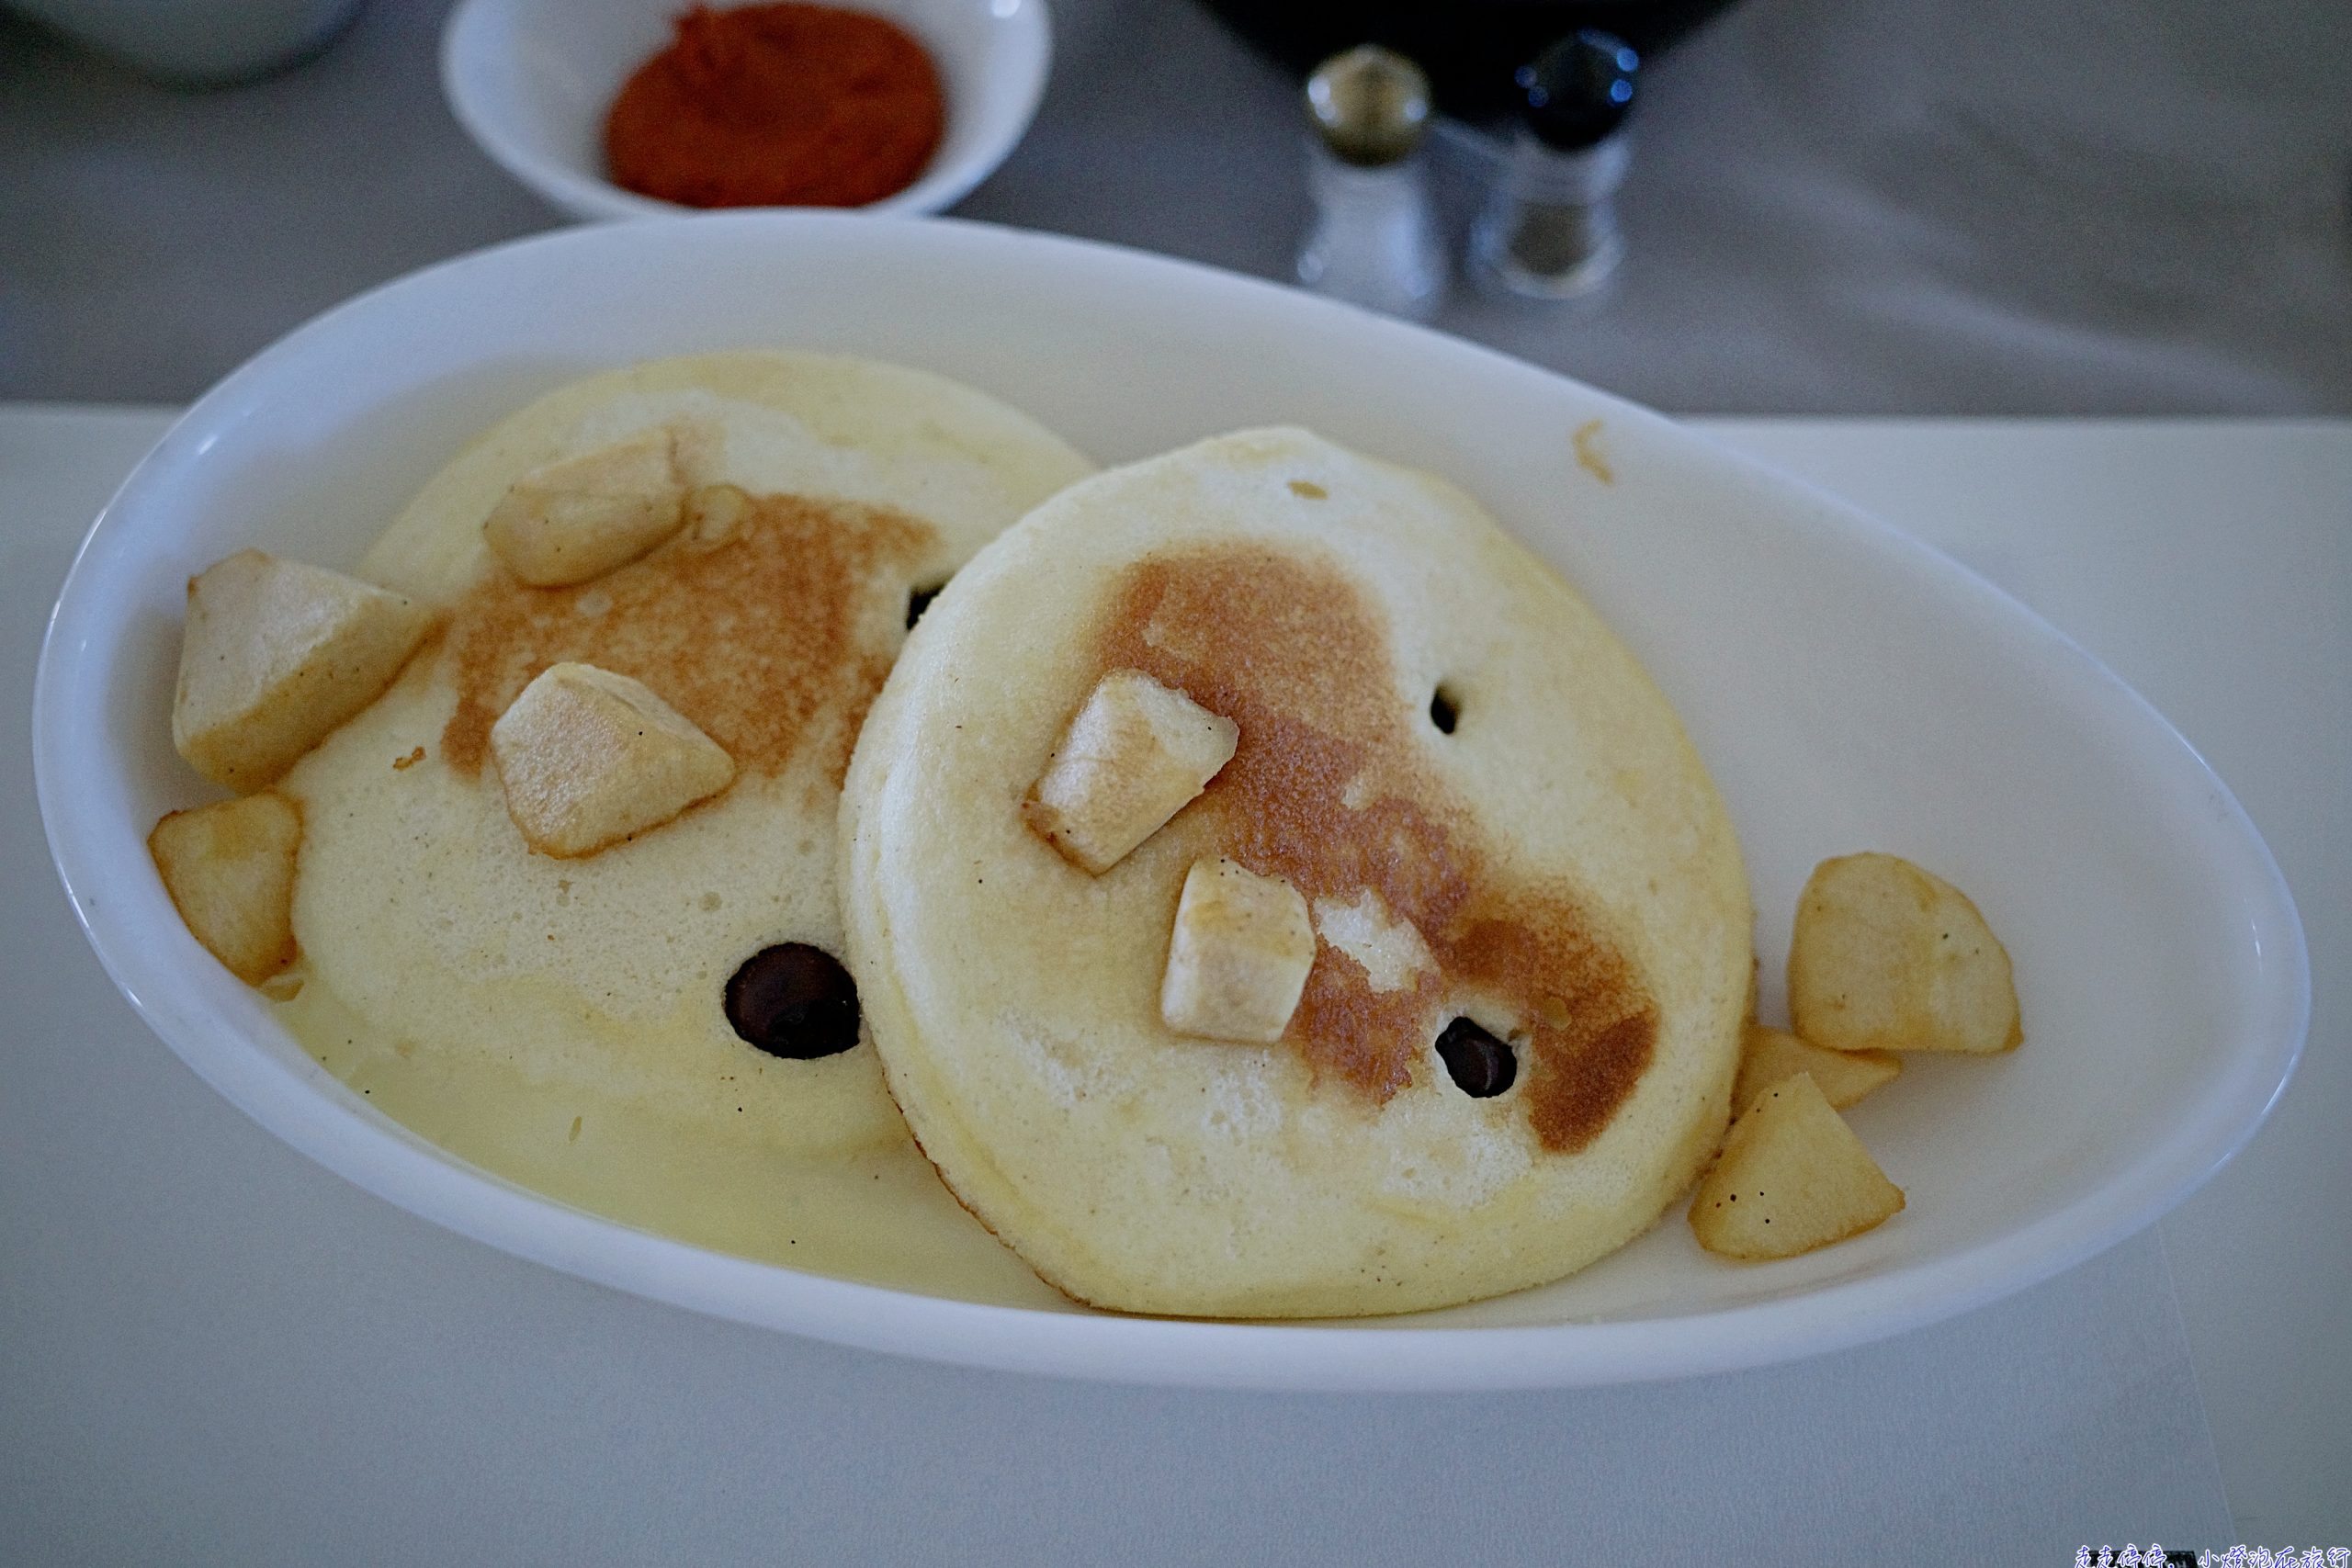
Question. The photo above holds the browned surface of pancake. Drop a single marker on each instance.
(755, 636)
(1291, 650)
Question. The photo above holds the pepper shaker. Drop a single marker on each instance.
(1372, 241)
(1549, 229)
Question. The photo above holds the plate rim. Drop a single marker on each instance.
(1369, 1355)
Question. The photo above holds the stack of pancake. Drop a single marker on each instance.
(1503, 1036)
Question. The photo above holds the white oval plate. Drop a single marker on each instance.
(1849, 687)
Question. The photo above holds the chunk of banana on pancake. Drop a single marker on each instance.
(588, 759)
(1213, 973)
(274, 654)
(229, 868)
(608, 784)
(576, 518)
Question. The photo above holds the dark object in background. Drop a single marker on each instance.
(1469, 48)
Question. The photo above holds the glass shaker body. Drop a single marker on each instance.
(1373, 240)
(1549, 229)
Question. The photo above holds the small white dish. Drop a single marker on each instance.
(532, 80)
(1849, 687)
(196, 43)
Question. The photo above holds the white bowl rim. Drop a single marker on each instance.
(1370, 1355)
(592, 198)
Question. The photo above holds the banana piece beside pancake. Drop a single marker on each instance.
(768, 621)
(1491, 812)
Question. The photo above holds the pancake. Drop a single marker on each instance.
(1553, 864)
(418, 906)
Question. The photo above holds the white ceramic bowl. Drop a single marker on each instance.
(1849, 687)
(532, 80)
(197, 42)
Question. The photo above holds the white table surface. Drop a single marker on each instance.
(211, 1350)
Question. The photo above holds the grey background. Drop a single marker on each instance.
(1932, 206)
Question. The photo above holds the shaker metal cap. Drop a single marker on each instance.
(1369, 104)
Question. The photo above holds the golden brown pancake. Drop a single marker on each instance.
(418, 904)
(1552, 866)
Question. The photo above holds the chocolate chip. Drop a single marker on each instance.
(1482, 1065)
(794, 1001)
(919, 600)
(1443, 713)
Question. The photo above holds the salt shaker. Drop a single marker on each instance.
(1373, 240)
(1549, 230)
